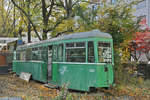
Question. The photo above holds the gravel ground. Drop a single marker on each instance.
(12, 86)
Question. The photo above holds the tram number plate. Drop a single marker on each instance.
(25, 76)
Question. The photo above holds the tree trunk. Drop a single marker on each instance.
(45, 20)
(20, 32)
(29, 26)
(29, 32)
(44, 35)
(68, 4)
(14, 22)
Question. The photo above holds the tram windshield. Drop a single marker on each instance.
(104, 52)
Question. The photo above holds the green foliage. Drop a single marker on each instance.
(64, 94)
(5, 18)
(87, 20)
(118, 20)
(114, 19)
(48, 16)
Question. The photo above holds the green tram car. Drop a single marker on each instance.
(80, 60)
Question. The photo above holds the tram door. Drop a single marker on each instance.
(49, 62)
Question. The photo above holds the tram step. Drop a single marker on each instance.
(51, 86)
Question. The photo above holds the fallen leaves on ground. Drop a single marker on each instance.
(11, 85)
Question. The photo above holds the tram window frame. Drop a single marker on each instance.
(105, 54)
(73, 52)
(91, 58)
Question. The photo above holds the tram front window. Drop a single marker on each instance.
(104, 52)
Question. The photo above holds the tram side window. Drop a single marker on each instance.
(34, 53)
(40, 53)
(22, 55)
(75, 52)
(18, 55)
(44, 54)
(55, 54)
(104, 52)
(90, 51)
(60, 52)
(28, 54)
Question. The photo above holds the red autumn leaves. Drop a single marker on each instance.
(141, 41)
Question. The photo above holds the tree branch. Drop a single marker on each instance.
(57, 23)
(75, 3)
(44, 10)
(62, 4)
(51, 7)
(28, 17)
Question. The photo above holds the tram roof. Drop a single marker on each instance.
(80, 35)
(93, 33)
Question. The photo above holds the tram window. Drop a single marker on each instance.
(37, 53)
(28, 54)
(22, 55)
(18, 55)
(90, 51)
(60, 52)
(104, 52)
(70, 45)
(44, 54)
(34, 49)
(55, 54)
(75, 52)
(80, 44)
(40, 48)
(34, 53)
(40, 53)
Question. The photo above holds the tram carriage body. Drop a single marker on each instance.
(80, 60)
